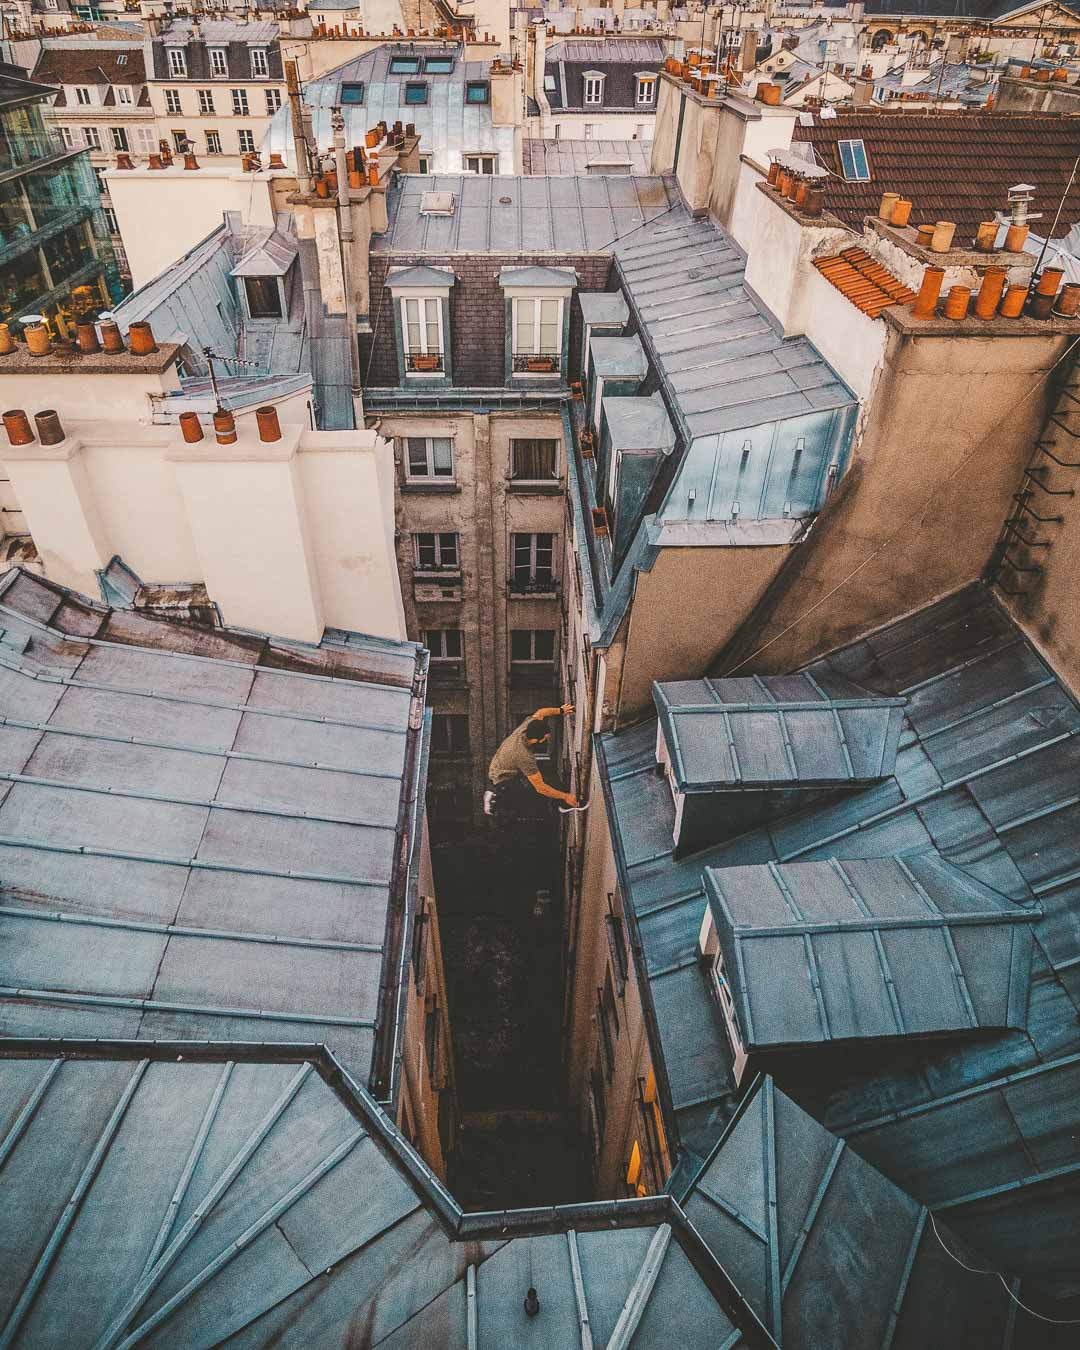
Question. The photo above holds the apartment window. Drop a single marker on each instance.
(177, 63)
(429, 457)
(853, 163)
(110, 220)
(246, 140)
(532, 647)
(260, 64)
(172, 101)
(477, 91)
(119, 138)
(352, 93)
(206, 102)
(652, 1122)
(416, 92)
(436, 552)
(273, 101)
(219, 62)
(181, 144)
(419, 945)
(617, 946)
(646, 91)
(480, 163)
(123, 94)
(594, 89)
(537, 327)
(605, 1035)
(444, 644)
(213, 142)
(438, 65)
(68, 134)
(422, 335)
(146, 139)
(425, 163)
(533, 560)
(121, 60)
(534, 460)
(99, 179)
(431, 1039)
(263, 297)
(404, 65)
(92, 137)
(597, 1109)
(449, 734)
(83, 96)
(240, 103)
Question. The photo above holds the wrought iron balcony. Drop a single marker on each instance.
(425, 363)
(536, 363)
(540, 583)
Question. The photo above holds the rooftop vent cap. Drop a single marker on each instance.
(437, 204)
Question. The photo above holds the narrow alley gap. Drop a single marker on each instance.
(500, 905)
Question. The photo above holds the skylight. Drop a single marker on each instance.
(352, 93)
(404, 65)
(438, 65)
(853, 163)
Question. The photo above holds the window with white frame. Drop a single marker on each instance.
(83, 96)
(422, 335)
(121, 60)
(240, 103)
(245, 139)
(172, 100)
(181, 144)
(219, 62)
(72, 138)
(110, 220)
(273, 101)
(429, 458)
(99, 179)
(206, 102)
(92, 137)
(213, 142)
(178, 63)
(538, 325)
(444, 645)
(123, 94)
(645, 96)
(853, 163)
(534, 459)
(480, 163)
(146, 140)
(533, 560)
(594, 88)
(436, 552)
(260, 64)
(119, 138)
(532, 647)
(590, 131)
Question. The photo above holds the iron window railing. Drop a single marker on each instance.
(425, 362)
(536, 363)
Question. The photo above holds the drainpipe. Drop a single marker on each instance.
(300, 148)
(345, 230)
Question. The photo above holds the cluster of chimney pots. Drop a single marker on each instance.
(995, 298)
(802, 192)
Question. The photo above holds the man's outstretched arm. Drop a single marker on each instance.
(541, 714)
(536, 782)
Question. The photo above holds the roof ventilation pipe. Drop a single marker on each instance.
(18, 428)
(266, 419)
(49, 429)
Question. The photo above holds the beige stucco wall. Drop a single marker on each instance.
(921, 505)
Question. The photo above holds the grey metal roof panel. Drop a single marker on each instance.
(603, 308)
(615, 358)
(538, 278)
(420, 278)
(638, 423)
(174, 801)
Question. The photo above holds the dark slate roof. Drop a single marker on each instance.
(868, 948)
(986, 771)
(831, 1254)
(777, 730)
(199, 833)
(182, 1201)
(90, 65)
(952, 165)
(619, 60)
(499, 214)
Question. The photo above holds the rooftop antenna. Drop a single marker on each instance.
(211, 357)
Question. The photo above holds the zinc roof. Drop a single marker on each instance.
(951, 165)
(868, 948)
(199, 829)
(984, 773)
(201, 1198)
(499, 214)
(575, 157)
(747, 732)
(602, 50)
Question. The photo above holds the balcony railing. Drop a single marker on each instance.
(536, 363)
(524, 583)
(425, 363)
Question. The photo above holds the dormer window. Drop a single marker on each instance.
(536, 315)
(123, 94)
(219, 62)
(594, 88)
(421, 304)
(260, 63)
(177, 63)
(645, 95)
(438, 65)
(264, 298)
(404, 65)
(83, 96)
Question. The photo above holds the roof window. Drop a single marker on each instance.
(352, 93)
(416, 92)
(437, 204)
(438, 65)
(404, 65)
(477, 91)
(853, 163)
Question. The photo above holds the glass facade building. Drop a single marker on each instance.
(56, 258)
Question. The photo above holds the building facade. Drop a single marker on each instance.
(595, 89)
(56, 258)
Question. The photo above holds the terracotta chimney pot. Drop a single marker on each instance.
(901, 213)
(1016, 238)
(49, 430)
(990, 292)
(957, 301)
(943, 236)
(1050, 281)
(37, 339)
(1068, 301)
(268, 424)
(923, 236)
(18, 428)
(141, 339)
(7, 341)
(154, 162)
(224, 427)
(1040, 306)
(276, 161)
(112, 340)
(887, 205)
(774, 172)
(87, 338)
(986, 236)
(926, 300)
(191, 427)
(190, 162)
(123, 160)
(1012, 306)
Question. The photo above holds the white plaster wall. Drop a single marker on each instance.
(852, 342)
(119, 398)
(165, 212)
(612, 127)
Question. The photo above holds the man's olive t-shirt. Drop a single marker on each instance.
(513, 757)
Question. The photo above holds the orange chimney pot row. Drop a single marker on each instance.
(990, 292)
(112, 340)
(926, 300)
(141, 339)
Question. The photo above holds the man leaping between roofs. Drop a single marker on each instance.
(517, 757)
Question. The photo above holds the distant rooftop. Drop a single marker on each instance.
(586, 157)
